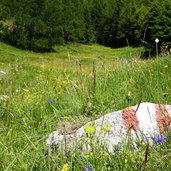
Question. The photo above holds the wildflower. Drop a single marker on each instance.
(129, 96)
(159, 139)
(90, 129)
(65, 167)
(25, 90)
(166, 66)
(51, 100)
(107, 127)
(129, 93)
(90, 154)
(66, 117)
(3, 97)
(102, 131)
(87, 168)
(3, 72)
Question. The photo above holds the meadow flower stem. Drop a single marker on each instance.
(94, 77)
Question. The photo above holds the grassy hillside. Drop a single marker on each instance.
(40, 92)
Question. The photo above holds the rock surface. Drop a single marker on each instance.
(141, 122)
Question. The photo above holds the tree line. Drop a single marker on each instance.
(40, 24)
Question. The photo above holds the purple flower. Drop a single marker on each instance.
(159, 139)
(87, 168)
(51, 100)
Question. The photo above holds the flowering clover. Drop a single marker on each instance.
(159, 139)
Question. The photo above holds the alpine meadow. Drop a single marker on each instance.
(65, 63)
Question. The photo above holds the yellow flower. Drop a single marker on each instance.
(89, 154)
(129, 93)
(102, 131)
(161, 74)
(90, 129)
(107, 126)
(65, 167)
(90, 139)
(166, 66)
(66, 117)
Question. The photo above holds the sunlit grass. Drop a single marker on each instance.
(84, 82)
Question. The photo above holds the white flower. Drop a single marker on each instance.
(26, 90)
(3, 72)
(3, 97)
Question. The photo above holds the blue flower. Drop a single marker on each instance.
(87, 168)
(159, 139)
(51, 100)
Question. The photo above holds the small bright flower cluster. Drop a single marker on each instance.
(66, 168)
(166, 66)
(3, 97)
(90, 129)
(160, 139)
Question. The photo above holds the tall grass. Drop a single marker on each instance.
(79, 92)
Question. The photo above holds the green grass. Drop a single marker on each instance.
(27, 117)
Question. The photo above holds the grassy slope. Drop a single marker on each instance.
(67, 77)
